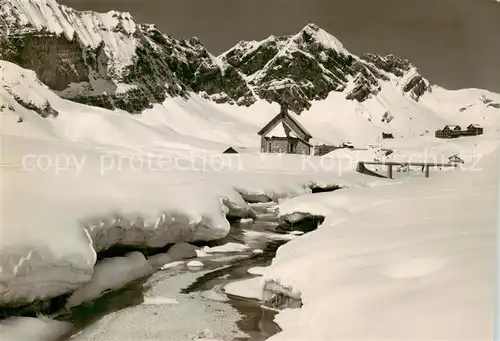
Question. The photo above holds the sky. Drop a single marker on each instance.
(454, 43)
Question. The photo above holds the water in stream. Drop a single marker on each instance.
(189, 304)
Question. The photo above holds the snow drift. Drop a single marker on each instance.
(411, 260)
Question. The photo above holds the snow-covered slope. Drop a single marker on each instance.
(405, 261)
(196, 123)
(466, 106)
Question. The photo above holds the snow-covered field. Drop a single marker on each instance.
(409, 261)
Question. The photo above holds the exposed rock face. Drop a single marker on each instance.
(392, 64)
(61, 63)
(416, 86)
(488, 101)
(45, 110)
(108, 60)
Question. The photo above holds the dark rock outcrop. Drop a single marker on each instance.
(417, 86)
(390, 63)
(45, 110)
(57, 61)
(299, 221)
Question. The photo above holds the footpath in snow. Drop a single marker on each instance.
(409, 261)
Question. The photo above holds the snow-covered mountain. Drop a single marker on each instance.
(108, 60)
(312, 63)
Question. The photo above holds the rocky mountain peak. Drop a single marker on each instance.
(309, 65)
(313, 34)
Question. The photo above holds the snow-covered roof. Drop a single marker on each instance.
(236, 149)
(455, 158)
(279, 131)
(452, 126)
(278, 120)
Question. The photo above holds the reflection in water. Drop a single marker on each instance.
(257, 322)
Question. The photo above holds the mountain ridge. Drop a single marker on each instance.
(109, 60)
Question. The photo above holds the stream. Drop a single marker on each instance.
(182, 303)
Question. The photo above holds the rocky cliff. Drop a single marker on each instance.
(109, 60)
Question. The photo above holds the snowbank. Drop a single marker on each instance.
(159, 300)
(229, 247)
(195, 264)
(250, 234)
(407, 261)
(111, 274)
(248, 288)
(33, 329)
(257, 270)
(176, 253)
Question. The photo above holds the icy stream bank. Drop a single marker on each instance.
(129, 233)
(112, 276)
(60, 217)
(194, 295)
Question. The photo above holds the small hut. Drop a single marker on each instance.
(234, 150)
(455, 159)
